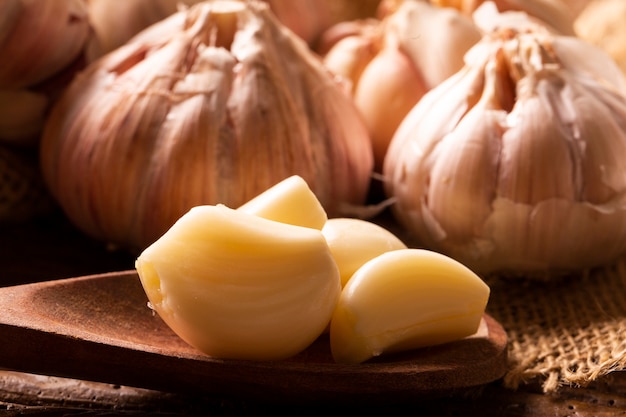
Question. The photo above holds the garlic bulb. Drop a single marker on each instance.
(212, 105)
(390, 67)
(516, 163)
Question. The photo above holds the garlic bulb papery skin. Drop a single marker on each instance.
(516, 163)
(214, 104)
(415, 48)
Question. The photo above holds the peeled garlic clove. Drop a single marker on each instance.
(290, 201)
(406, 299)
(214, 104)
(510, 162)
(44, 37)
(353, 242)
(238, 286)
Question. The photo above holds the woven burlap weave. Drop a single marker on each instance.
(569, 331)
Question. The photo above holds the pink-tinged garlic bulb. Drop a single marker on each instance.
(212, 105)
(516, 163)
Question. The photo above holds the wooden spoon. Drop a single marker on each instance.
(100, 328)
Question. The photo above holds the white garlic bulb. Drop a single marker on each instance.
(517, 163)
(212, 105)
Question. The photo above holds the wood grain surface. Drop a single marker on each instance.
(50, 248)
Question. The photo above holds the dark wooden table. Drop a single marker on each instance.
(51, 248)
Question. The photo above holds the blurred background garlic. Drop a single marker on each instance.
(214, 104)
(41, 46)
(39, 40)
(515, 164)
(390, 63)
(601, 23)
(557, 14)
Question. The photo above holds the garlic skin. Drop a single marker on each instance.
(214, 104)
(515, 163)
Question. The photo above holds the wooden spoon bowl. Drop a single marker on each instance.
(100, 328)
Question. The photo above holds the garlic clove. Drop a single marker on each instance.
(353, 242)
(290, 201)
(388, 87)
(349, 56)
(238, 286)
(585, 58)
(435, 38)
(406, 299)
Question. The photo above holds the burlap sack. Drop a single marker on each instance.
(566, 331)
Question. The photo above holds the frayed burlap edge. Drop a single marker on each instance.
(566, 331)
